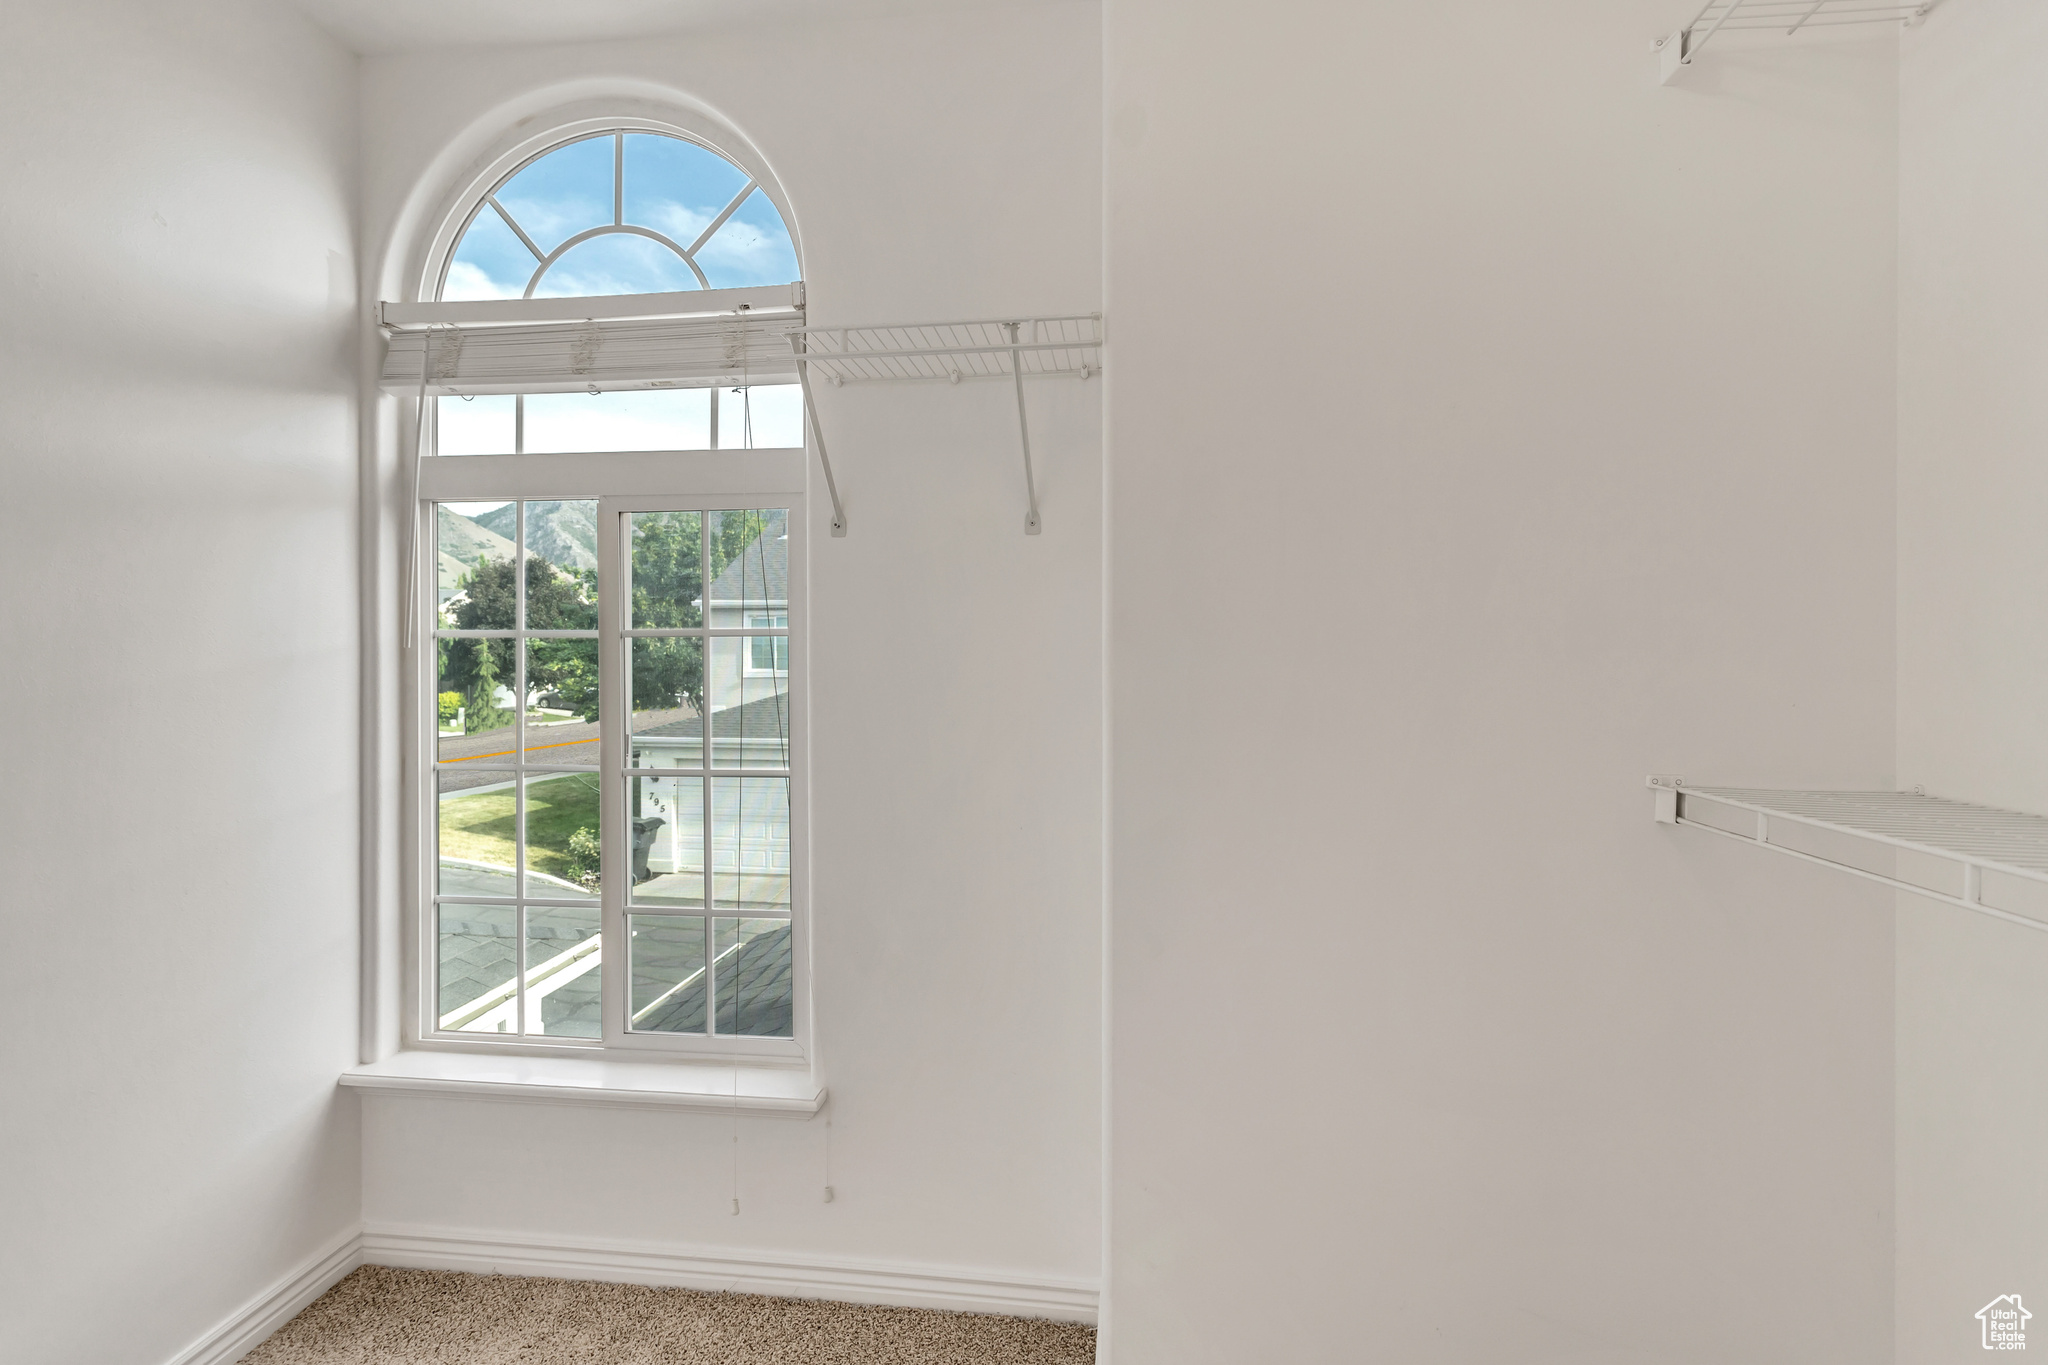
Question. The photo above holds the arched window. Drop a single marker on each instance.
(609, 720)
(620, 212)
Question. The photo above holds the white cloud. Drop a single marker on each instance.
(467, 281)
(681, 225)
(742, 246)
(556, 220)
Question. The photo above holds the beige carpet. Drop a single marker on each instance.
(379, 1316)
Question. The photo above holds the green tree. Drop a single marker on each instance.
(669, 591)
(556, 599)
(482, 711)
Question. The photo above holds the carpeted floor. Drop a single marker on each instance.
(380, 1316)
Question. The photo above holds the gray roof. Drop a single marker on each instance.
(762, 569)
(478, 950)
(754, 997)
(767, 718)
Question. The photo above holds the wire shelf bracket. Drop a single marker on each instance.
(951, 352)
(1980, 858)
(1676, 51)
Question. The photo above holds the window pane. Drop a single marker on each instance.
(667, 969)
(562, 836)
(667, 684)
(561, 717)
(466, 534)
(563, 954)
(616, 263)
(476, 818)
(751, 977)
(749, 563)
(668, 840)
(668, 573)
(562, 538)
(491, 262)
(752, 247)
(677, 187)
(474, 702)
(626, 419)
(479, 425)
(562, 193)
(750, 842)
(478, 956)
(776, 412)
(750, 698)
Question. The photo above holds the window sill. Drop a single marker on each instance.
(779, 1092)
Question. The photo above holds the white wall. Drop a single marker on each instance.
(1973, 656)
(176, 537)
(1565, 451)
(939, 166)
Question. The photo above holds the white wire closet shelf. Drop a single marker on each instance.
(956, 351)
(1789, 17)
(1015, 349)
(1981, 858)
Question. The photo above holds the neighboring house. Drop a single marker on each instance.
(749, 815)
(752, 593)
(747, 697)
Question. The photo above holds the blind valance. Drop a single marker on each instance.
(691, 340)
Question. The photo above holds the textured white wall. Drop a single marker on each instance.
(1565, 455)
(177, 544)
(944, 165)
(1973, 657)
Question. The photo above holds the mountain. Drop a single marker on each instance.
(563, 533)
(461, 542)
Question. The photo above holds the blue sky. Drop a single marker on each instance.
(674, 187)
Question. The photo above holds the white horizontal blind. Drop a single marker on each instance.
(623, 353)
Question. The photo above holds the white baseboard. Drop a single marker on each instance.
(246, 1328)
(569, 1258)
(843, 1279)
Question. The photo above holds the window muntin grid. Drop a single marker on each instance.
(516, 938)
(620, 211)
(517, 829)
(707, 798)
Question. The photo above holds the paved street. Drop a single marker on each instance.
(573, 742)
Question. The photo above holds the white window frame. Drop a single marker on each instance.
(621, 483)
(749, 616)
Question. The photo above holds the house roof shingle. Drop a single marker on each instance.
(764, 718)
(761, 571)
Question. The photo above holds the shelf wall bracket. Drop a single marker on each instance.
(1031, 526)
(1674, 54)
(1665, 791)
(803, 377)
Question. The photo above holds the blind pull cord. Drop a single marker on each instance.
(412, 501)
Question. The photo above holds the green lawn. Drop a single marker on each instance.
(480, 825)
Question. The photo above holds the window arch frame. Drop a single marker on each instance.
(765, 476)
(477, 192)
